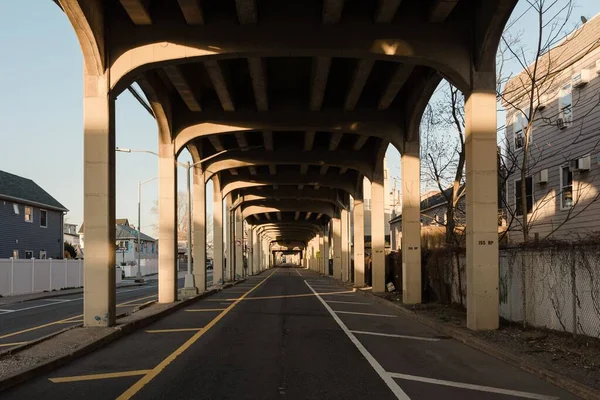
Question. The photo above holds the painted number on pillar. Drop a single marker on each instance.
(484, 243)
(413, 248)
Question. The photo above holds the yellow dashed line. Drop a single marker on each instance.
(205, 309)
(99, 376)
(174, 330)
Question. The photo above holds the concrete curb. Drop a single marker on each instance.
(118, 332)
(577, 388)
(25, 346)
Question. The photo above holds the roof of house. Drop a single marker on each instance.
(431, 200)
(118, 221)
(573, 47)
(127, 232)
(23, 190)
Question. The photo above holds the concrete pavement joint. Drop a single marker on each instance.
(577, 388)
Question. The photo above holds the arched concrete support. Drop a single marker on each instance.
(387, 125)
(199, 243)
(324, 194)
(218, 262)
(359, 238)
(278, 229)
(482, 202)
(283, 206)
(354, 160)
(167, 224)
(411, 223)
(333, 181)
(441, 45)
(87, 19)
(99, 201)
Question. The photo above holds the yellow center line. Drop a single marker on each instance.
(94, 377)
(174, 330)
(205, 309)
(129, 393)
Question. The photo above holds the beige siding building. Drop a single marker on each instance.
(563, 171)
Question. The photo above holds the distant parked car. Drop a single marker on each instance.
(209, 263)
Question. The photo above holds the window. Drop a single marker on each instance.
(43, 255)
(16, 208)
(28, 214)
(566, 188)
(43, 218)
(565, 104)
(519, 124)
(528, 193)
(28, 254)
(16, 254)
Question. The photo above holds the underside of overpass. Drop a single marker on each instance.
(286, 106)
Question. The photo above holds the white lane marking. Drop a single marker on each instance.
(298, 272)
(348, 302)
(370, 314)
(7, 311)
(398, 392)
(470, 386)
(426, 339)
(58, 300)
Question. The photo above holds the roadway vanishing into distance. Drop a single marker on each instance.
(29, 320)
(287, 333)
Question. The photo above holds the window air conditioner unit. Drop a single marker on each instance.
(580, 78)
(573, 165)
(584, 163)
(561, 123)
(543, 176)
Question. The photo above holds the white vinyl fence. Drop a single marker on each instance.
(29, 276)
(149, 266)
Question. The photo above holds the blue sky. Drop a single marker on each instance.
(41, 110)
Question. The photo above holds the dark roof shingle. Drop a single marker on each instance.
(14, 187)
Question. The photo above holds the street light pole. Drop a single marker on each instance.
(138, 276)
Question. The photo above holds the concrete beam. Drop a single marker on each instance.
(233, 172)
(272, 169)
(268, 140)
(386, 125)
(192, 11)
(259, 82)
(321, 67)
(360, 142)
(137, 11)
(266, 215)
(400, 77)
(218, 81)
(441, 9)
(361, 74)
(324, 169)
(287, 206)
(252, 170)
(343, 170)
(358, 161)
(289, 192)
(183, 88)
(308, 214)
(387, 10)
(242, 140)
(309, 140)
(217, 142)
(336, 137)
(278, 216)
(297, 215)
(246, 10)
(332, 11)
(440, 46)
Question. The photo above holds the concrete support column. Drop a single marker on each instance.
(99, 202)
(218, 264)
(359, 240)
(321, 252)
(239, 244)
(411, 223)
(229, 240)
(378, 232)
(199, 215)
(337, 247)
(167, 224)
(326, 250)
(255, 252)
(345, 220)
(482, 203)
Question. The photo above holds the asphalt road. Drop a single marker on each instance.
(29, 320)
(287, 334)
